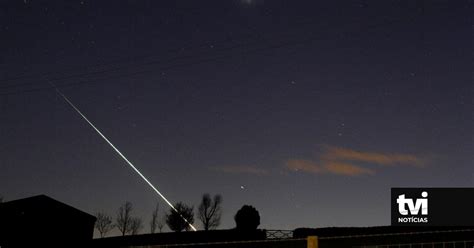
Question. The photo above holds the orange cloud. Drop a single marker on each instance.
(303, 165)
(327, 168)
(342, 161)
(347, 169)
(240, 170)
(336, 153)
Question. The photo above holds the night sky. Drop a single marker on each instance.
(308, 110)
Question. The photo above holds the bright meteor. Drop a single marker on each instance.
(123, 156)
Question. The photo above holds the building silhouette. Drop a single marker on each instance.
(44, 222)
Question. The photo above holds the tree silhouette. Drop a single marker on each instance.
(247, 218)
(175, 220)
(124, 218)
(161, 223)
(154, 219)
(210, 211)
(103, 224)
(135, 225)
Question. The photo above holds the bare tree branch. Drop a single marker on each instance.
(154, 219)
(210, 211)
(124, 218)
(161, 223)
(103, 223)
(135, 225)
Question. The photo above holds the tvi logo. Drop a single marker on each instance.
(414, 207)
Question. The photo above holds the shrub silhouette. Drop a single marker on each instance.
(175, 220)
(247, 218)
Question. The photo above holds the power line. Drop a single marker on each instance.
(201, 61)
(253, 38)
(259, 50)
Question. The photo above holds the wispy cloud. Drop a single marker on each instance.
(304, 166)
(336, 168)
(347, 169)
(335, 161)
(337, 153)
(348, 162)
(240, 170)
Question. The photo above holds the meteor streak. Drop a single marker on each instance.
(123, 156)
